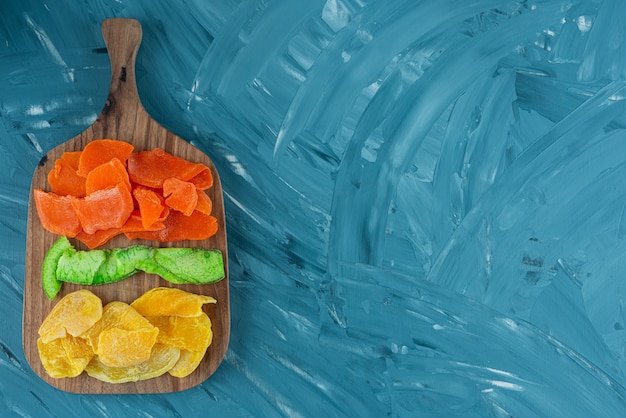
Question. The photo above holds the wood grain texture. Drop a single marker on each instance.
(124, 118)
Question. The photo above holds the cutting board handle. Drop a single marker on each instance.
(122, 37)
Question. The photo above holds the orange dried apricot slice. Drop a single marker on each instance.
(74, 314)
(170, 301)
(63, 178)
(104, 209)
(133, 224)
(162, 359)
(101, 151)
(178, 227)
(107, 175)
(203, 180)
(180, 195)
(56, 213)
(151, 206)
(151, 168)
(205, 204)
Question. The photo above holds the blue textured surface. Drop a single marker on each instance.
(426, 199)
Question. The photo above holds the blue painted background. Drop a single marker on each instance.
(426, 199)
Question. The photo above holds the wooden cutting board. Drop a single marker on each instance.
(123, 118)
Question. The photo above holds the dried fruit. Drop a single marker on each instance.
(63, 263)
(162, 359)
(56, 213)
(118, 347)
(74, 314)
(182, 324)
(65, 357)
(152, 207)
(102, 151)
(187, 363)
(118, 344)
(107, 175)
(104, 209)
(133, 224)
(180, 195)
(151, 168)
(170, 301)
(187, 333)
(122, 337)
(205, 204)
(96, 191)
(51, 285)
(63, 178)
(179, 227)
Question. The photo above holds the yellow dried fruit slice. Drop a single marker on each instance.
(116, 315)
(187, 363)
(78, 351)
(73, 314)
(121, 348)
(192, 333)
(122, 337)
(64, 357)
(124, 343)
(169, 301)
(162, 359)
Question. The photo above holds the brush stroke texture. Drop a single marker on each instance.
(425, 199)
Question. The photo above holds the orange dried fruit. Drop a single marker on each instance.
(102, 151)
(107, 175)
(64, 357)
(187, 333)
(86, 195)
(151, 206)
(178, 227)
(205, 204)
(180, 195)
(162, 359)
(63, 178)
(151, 168)
(133, 224)
(170, 301)
(104, 209)
(74, 314)
(56, 213)
(203, 180)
